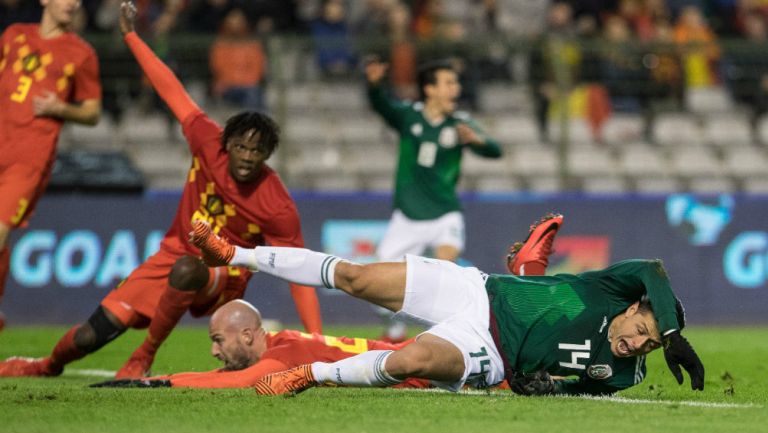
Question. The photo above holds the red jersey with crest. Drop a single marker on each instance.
(288, 349)
(30, 66)
(248, 215)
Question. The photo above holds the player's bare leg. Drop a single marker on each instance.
(430, 357)
(447, 252)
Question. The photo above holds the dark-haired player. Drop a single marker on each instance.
(48, 75)
(230, 187)
(433, 136)
(597, 325)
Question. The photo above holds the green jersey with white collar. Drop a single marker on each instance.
(560, 323)
(429, 162)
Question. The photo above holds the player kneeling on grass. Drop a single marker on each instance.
(597, 325)
(249, 352)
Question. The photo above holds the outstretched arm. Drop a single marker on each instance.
(389, 109)
(162, 78)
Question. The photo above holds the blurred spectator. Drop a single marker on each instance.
(665, 64)
(623, 72)
(238, 63)
(521, 18)
(206, 16)
(333, 48)
(699, 46)
(402, 54)
(555, 64)
(19, 11)
(746, 70)
(490, 46)
(373, 18)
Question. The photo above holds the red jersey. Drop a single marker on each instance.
(249, 214)
(252, 214)
(30, 66)
(287, 349)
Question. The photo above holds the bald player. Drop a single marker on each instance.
(249, 352)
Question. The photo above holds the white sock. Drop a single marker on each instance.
(244, 257)
(365, 369)
(297, 265)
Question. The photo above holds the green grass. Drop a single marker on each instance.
(736, 384)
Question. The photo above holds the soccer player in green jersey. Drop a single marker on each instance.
(433, 136)
(591, 330)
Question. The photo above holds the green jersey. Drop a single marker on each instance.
(560, 323)
(429, 163)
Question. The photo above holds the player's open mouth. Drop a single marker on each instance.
(623, 348)
(244, 171)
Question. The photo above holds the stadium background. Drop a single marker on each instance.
(644, 129)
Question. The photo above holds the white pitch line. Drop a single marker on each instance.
(610, 399)
(89, 372)
(671, 402)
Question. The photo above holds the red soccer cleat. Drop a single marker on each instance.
(292, 381)
(135, 368)
(216, 251)
(532, 256)
(18, 366)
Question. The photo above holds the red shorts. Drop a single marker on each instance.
(20, 187)
(134, 301)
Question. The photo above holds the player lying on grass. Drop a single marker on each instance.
(597, 326)
(250, 353)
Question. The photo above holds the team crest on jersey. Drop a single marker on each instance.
(30, 62)
(214, 205)
(448, 137)
(599, 371)
(417, 129)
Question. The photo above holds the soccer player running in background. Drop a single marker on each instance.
(250, 353)
(229, 186)
(596, 326)
(433, 136)
(48, 75)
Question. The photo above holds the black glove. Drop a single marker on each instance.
(536, 383)
(133, 383)
(677, 352)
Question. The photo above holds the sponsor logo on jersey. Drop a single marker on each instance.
(417, 129)
(448, 137)
(599, 371)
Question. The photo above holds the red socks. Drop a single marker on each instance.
(64, 352)
(172, 306)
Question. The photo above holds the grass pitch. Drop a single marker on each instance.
(735, 398)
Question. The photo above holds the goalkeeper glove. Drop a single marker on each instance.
(133, 383)
(536, 383)
(677, 352)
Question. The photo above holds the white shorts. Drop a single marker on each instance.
(407, 236)
(453, 303)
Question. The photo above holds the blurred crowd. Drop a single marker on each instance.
(608, 54)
